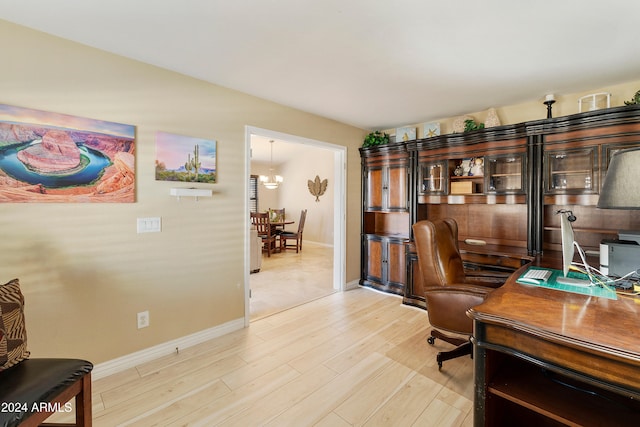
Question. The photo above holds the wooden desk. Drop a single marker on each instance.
(537, 350)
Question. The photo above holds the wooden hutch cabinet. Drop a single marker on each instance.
(385, 264)
(503, 185)
(386, 224)
(479, 179)
(575, 155)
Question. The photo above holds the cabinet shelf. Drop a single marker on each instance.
(395, 236)
(561, 399)
(586, 230)
(571, 199)
(572, 172)
(506, 174)
(478, 198)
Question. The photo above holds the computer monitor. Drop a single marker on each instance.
(568, 250)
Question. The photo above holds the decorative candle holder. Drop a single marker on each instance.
(549, 100)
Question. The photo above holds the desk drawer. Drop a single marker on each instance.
(502, 262)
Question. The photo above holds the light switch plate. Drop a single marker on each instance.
(149, 225)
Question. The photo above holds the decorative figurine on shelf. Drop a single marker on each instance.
(466, 167)
(477, 168)
(458, 171)
(492, 119)
(459, 123)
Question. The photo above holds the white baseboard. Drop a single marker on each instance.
(354, 284)
(134, 359)
(312, 243)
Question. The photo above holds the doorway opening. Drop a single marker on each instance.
(337, 245)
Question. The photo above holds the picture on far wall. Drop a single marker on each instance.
(59, 158)
(185, 159)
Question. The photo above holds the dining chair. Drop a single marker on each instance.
(293, 235)
(277, 215)
(265, 231)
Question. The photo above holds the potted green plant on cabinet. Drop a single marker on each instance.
(375, 138)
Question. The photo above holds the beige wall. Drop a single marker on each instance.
(319, 223)
(294, 194)
(84, 270)
(565, 105)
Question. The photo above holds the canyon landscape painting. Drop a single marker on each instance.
(59, 158)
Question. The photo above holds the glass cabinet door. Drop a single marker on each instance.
(571, 171)
(433, 178)
(504, 174)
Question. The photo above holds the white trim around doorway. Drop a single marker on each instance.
(339, 203)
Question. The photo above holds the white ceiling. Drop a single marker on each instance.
(375, 64)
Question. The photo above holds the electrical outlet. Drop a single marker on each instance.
(143, 319)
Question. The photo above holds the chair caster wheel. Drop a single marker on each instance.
(431, 340)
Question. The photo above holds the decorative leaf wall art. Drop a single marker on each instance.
(317, 187)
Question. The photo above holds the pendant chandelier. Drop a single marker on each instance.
(272, 181)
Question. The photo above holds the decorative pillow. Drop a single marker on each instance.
(13, 334)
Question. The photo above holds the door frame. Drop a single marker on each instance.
(339, 205)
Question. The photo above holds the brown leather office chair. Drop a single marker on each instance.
(448, 291)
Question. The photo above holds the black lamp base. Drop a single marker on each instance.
(549, 104)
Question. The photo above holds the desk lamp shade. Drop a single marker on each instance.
(621, 187)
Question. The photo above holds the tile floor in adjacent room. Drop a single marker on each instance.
(288, 279)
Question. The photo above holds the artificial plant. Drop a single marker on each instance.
(375, 138)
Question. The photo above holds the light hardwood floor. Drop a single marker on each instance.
(351, 358)
(311, 356)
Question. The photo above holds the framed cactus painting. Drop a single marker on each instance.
(185, 159)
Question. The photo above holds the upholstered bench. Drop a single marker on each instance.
(31, 390)
(34, 389)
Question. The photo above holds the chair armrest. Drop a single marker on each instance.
(447, 306)
(487, 278)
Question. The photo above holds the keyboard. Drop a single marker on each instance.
(537, 274)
